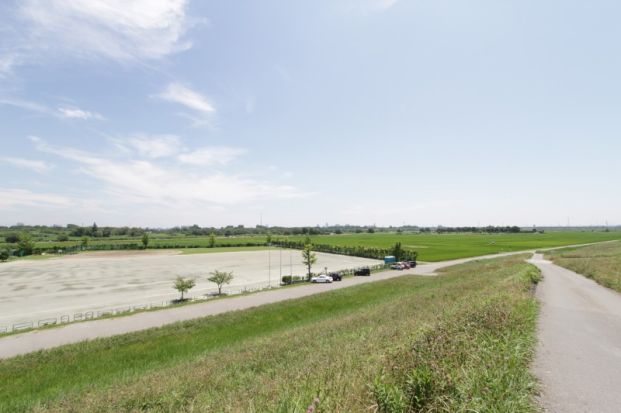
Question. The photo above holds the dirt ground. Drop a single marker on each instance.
(37, 290)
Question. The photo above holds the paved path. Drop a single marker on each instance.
(579, 353)
(14, 345)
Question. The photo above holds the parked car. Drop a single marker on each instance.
(323, 278)
(412, 264)
(365, 271)
(336, 276)
(397, 266)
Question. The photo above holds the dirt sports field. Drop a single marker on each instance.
(36, 290)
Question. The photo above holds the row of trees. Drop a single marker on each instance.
(220, 278)
(357, 251)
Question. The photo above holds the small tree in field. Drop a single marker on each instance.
(84, 242)
(145, 240)
(25, 244)
(308, 258)
(4, 255)
(212, 240)
(220, 278)
(397, 251)
(183, 285)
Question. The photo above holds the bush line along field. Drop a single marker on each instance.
(600, 262)
(462, 341)
(430, 247)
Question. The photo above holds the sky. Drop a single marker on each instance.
(161, 113)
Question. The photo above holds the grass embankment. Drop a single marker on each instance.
(462, 340)
(601, 262)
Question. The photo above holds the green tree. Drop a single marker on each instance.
(398, 251)
(183, 285)
(4, 255)
(308, 258)
(212, 239)
(269, 239)
(62, 237)
(84, 242)
(145, 240)
(11, 238)
(25, 244)
(220, 278)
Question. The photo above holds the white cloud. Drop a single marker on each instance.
(76, 113)
(20, 197)
(178, 93)
(64, 112)
(28, 105)
(366, 7)
(156, 146)
(6, 64)
(33, 165)
(121, 30)
(140, 181)
(211, 155)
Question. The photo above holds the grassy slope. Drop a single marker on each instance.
(280, 357)
(600, 262)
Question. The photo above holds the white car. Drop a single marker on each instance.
(323, 278)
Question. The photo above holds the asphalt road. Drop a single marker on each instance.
(578, 357)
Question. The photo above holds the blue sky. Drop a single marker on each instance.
(174, 112)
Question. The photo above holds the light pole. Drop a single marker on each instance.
(269, 266)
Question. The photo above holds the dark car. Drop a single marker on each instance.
(336, 276)
(365, 271)
(412, 264)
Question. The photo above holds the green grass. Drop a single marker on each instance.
(600, 262)
(280, 357)
(431, 247)
(440, 247)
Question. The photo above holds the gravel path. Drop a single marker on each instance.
(579, 354)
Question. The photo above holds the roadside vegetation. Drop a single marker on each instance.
(458, 342)
(601, 262)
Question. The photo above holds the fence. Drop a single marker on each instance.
(111, 312)
(209, 293)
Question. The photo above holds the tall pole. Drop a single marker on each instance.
(269, 266)
(291, 262)
(280, 255)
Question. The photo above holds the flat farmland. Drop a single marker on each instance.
(37, 290)
(440, 247)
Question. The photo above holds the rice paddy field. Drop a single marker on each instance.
(430, 247)
(440, 247)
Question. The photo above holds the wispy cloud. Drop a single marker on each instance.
(156, 146)
(121, 30)
(211, 155)
(367, 6)
(33, 165)
(63, 112)
(142, 181)
(177, 93)
(10, 198)
(6, 64)
(76, 113)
